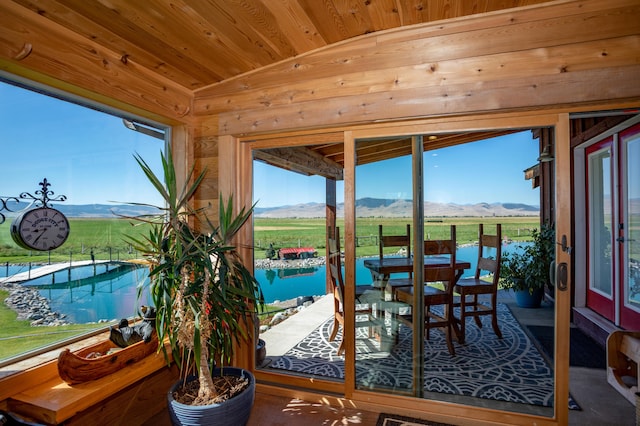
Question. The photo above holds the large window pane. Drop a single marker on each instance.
(87, 158)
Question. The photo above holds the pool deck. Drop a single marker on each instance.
(47, 269)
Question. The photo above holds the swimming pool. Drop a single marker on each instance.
(285, 284)
(107, 292)
(93, 293)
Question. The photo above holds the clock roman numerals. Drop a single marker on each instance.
(40, 229)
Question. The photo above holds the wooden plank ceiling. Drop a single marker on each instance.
(197, 43)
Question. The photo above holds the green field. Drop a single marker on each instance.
(311, 232)
(105, 238)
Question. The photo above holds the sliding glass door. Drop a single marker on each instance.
(378, 177)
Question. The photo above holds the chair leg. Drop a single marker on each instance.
(427, 320)
(475, 308)
(494, 324)
(334, 331)
(463, 318)
(448, 335)
(494, 317)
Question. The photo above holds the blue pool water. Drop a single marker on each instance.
(284, 284)
(90, 294)
(108, 291)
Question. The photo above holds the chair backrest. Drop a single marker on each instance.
(442, 248)
(394, 241)
(489, 253)
(334, 261)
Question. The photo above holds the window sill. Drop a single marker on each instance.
(39, 394)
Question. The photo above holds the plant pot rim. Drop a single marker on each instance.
(240, 372)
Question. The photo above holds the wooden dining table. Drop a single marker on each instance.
(382, 268)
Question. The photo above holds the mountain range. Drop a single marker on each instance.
(380, 207)
(365, 207)
(86, 210)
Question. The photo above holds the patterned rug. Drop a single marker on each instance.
(509, 369)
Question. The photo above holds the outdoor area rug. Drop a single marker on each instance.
(395, 420)
(584, 351)
(509, 369)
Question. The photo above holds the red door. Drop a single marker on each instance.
(628, 238)
(613, 227)
(600, 228)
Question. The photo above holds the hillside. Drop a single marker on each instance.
(87, 210)
(365, 207)
(375, 207)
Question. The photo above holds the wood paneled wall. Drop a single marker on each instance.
(572, 54)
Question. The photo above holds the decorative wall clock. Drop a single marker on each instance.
(43, 228)
(40, 229)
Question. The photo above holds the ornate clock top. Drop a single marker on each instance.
(44, 194)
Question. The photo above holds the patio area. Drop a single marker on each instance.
(599, 403)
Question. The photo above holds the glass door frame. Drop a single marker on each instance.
(560, 123)
(619, 251)
(629, 316)
(563, 227)
(597, 299)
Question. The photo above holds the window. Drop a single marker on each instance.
(82, 157)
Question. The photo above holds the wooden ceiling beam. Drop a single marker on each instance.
(301, 160)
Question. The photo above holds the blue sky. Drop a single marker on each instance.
(84, 154)
(485, 171)
(88, 156)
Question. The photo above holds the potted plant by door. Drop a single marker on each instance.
(526, 271)
(205, 300)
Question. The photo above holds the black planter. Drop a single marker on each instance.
(526, 299)
(232, 412)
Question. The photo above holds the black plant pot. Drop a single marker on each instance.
(232, 412)
(526, 299)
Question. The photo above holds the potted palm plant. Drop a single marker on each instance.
(526, 271)
(205, 300)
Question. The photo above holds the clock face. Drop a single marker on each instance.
(40, 229)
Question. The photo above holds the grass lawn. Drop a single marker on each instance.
(17, 337)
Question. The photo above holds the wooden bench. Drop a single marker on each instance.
(623, 362)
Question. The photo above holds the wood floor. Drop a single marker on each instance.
(275, 410)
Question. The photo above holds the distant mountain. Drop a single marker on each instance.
(365, 207)
(86, 210)
(377, 207)
(104, 210)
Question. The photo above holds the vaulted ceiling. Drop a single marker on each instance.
(197, 43)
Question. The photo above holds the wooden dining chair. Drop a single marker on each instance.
(439, 282)
(484, 282)
(334, 262)
(397, 241)
(386, 241)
